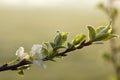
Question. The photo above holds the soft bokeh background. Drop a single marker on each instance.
(28, 22)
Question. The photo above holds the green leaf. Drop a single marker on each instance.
(64, 37)
(47, 44)
(52, 45)
(106, 29)
(101, 37)
(58, 56)
(79, 39)
(45, 51)
(58, 47)
(105, 37)
(104, 33)
(110, 37)
(70, 45)
(99, 29)
(92, 33)
(21, 73)
(58, 39)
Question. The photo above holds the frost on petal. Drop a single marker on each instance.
(36, 48)
(20, 52)
(39, 63)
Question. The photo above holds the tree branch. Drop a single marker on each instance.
(6, 67)
(64, 53)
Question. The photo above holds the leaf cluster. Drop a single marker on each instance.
(53, 49)
(102, 33)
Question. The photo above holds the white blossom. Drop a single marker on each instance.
(21, 54)
(39, 63)
(37, 55)
(20, 51)
(36, 49)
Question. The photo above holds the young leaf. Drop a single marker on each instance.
(70, 45)
(47, 44)
(101, 37)
(110, 37)
(79, 39)
(21, 73)
(99, 29)
(45, 51)
(58, 39)
(106, 29)
(92, 33)
(64, 37)
(52, 45)
(58, 47)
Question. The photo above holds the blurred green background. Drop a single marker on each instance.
(27, 25)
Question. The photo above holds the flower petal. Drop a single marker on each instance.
(20, 52)
(39, 63)
(21, 55)
(36, 48)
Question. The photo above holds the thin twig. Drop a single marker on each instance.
(6, 67)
